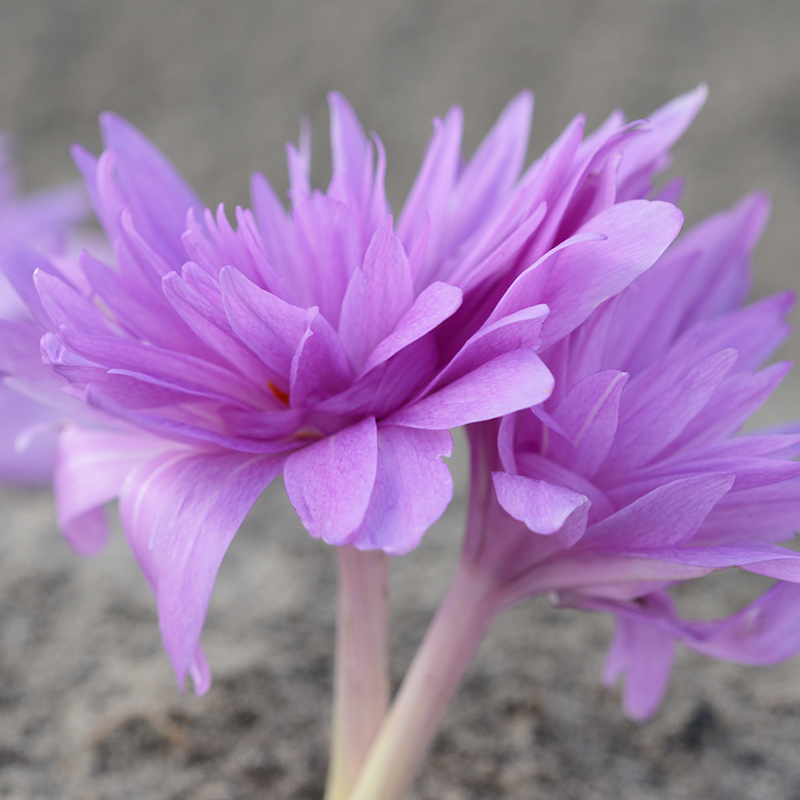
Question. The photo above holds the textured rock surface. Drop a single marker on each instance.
(88, 705)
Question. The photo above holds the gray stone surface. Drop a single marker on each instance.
(88, 706)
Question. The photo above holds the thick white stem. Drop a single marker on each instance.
(361, 671)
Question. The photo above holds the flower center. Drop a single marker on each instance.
(281, 395)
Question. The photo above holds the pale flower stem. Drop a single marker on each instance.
(361, 670)
(449, 645)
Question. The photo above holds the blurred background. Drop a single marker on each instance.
(88, 706)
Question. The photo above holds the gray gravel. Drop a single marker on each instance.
(88, 705)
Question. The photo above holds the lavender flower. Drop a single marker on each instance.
(630, 478)
(326, 344)
(43, 220)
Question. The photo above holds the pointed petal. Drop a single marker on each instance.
(348, 142)
(378, 295)
(645, 155)
(493, 169)
(513, 332)
(180, 511)
(329, 242)
(435, 304)
(114, 352)
(278, 237)
(320, 367)
(20, 263)
(738, 396)
(65, 306)
(668, 515)
(156, 194)
(512, 381)
(588, 415)
(435, 180)
(649, 431)
(704, 274)
(138, 308)
(269, 326)
(588, 273)
(21, 359)
(353, 181)
(212, 327)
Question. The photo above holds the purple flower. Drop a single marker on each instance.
(630, 476)
(44, 221)
(326, 343)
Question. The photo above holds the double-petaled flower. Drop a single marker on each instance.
(632, 475)
(328, 343)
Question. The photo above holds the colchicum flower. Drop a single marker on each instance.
(43, 220)
(327, 343)
(631, 477)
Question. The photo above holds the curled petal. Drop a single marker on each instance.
(544, 507)
(180, 511)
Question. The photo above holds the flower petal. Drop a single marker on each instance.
(413, 487)
(320, 367)
(544, 507)
(588, 273)
(512, 332)
(644, 653)
(434, 182)
(330, 482)
(510, 382)
(588, 415)
(646, 154)
(154, 191)
(269, 326)
(89, 470)
(435, 304)
(25, 419)
(378, 294)
(180, 511)
(668, 515)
